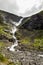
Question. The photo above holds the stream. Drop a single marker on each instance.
(15, 44)
(12, 48)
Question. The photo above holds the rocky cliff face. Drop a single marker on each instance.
(34, 22)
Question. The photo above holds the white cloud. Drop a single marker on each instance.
(22, 7)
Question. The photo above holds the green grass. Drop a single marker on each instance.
(4, 26)
(22, 37)
(2, 44)
(25, 40)
(2, 32)
(3, 59)
(36, 42)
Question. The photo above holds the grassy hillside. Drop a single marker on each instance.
(30, 34)
(6, 39)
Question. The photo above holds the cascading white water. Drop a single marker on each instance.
(12, 48)
(40, 55)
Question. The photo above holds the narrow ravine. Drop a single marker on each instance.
(12, 48)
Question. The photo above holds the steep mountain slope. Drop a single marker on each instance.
(30, 33)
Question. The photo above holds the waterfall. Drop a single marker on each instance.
(12, 48)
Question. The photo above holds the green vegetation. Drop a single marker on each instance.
(2, 31)
(6, 61)
(32, 39)
(25, 40)
(4, 26)
(22, 36)
(2, 44)
(3, 59)
(5, 36)
(38, 44)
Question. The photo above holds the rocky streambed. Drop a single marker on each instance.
(30, 57)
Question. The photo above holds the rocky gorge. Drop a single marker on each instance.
(29, 36)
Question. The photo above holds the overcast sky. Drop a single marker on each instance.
(23, 8)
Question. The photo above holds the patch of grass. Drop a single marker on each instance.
(34, 42)
(2, 32)
(2, 44)
(3, 59)
(4, 26)
(38, 43)
(25, 40)
(22, 36)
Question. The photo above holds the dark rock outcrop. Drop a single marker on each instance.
(34, 23)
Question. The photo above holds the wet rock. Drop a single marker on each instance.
(11, 40)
